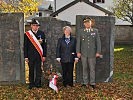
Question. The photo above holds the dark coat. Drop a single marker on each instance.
(30, 51)
(67, 52)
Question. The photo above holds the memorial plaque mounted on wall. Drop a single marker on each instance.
(11, 48)
(104, 66)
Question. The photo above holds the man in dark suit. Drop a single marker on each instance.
(66, 54)
(34, 53)
(88, 48)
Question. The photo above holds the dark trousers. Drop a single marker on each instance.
(67, 69)
(35, 72)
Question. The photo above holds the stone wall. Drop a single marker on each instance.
(11, 48)
(123, 34)
(104, 66)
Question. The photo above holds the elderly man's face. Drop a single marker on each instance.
(34, 27)
(87, 24)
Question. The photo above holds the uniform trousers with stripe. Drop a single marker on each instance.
(88, 70)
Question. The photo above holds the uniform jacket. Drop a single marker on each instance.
(29, 49)
(88, 43)
(67, 52)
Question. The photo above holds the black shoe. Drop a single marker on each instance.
(31, 86)
(70, 85)
(38, 86)
(93, 86)
(65, 85)
(83, 85)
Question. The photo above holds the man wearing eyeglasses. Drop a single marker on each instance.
(35, 53)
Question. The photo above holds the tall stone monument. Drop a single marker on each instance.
(11, 48)
(104, 66)
(53, 29)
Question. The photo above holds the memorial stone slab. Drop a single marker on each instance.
(11, 48)
(104, 66)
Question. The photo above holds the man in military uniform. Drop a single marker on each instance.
(88, 48)
(34, 53)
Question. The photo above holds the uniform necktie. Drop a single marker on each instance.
(88, 30)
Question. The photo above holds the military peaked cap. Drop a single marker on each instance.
(87, 19)
(34, 21)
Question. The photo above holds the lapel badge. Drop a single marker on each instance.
(93, 33)
(40, 39)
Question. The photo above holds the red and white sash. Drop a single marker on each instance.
(35, 42)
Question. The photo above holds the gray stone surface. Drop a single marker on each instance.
(53, 30)
(11, 48)
(104, 66)
(124, 34)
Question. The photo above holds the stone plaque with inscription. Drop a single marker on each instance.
(11, 48)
